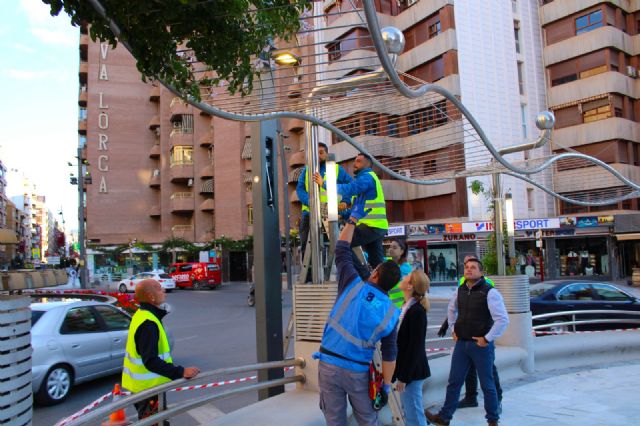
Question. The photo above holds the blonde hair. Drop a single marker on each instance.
(420, 283)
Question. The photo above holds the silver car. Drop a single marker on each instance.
(74, 342)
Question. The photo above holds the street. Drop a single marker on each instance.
(211, 330)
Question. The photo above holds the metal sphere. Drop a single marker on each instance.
(545, 120)
(393, 39)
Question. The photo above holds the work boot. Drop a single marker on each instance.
(492, 423)
(435, 419)
(467, 402)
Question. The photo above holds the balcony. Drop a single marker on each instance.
(154, 211)
(154, 181)
(84, 46)
(182, 202)
(206, 141)
(82, 127)
(83, 96)
(83, 73)
(182, 231)
(178, 137)
(154, 94)
(155, 151)
(178, 107)
(207, 172)
(154, 123)
(297, 159)
(207, 205)
(181, 171)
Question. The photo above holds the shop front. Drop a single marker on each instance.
(627, 234)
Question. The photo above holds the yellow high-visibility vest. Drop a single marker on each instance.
(377, 217)
(323, 192)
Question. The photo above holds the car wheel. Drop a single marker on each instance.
(196, 285)
(122, 288)
(55, 386)
(558, 328)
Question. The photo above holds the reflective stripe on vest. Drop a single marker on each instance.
(377, 217)
(135, 376)
(323, 192)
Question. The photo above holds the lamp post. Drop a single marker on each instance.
(84, 177)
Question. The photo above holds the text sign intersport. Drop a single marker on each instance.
(523, 224)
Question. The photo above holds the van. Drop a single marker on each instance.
(196, 275)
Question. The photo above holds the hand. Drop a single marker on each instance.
(400, 386)
(455, 336)
(443, 330)
(384, 396)
(342, 206)
(481, 341)
(318, 178)
(190, 372)
(357, 209)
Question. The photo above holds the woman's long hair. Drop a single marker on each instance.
(404, 248)
(420, 282)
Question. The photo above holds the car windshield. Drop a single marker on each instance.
(536, 290)
(165, 276)
(35, 316)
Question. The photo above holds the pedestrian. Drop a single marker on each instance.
(361, 316)
(148, 362)
(412, 367)
(302, 190)
(398, 253)
(372, 229)
(479, 316)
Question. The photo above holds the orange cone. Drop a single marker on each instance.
(118, 417)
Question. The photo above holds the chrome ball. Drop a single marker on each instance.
(545, 120)
(393, 39)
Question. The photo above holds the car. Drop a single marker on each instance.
(74, 342)
(583, 296)
(130, 283)
(196, 275)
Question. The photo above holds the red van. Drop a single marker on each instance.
(196, 275)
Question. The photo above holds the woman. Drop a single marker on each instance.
(412, 367)
(398, 253)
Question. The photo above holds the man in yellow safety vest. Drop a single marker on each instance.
(148, 362)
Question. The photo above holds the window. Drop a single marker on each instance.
(596, 113)
(523, 115)
(80, 320)
(576, 292)
(530, 202)
(516, 33)
(589, 22)
(352, 128)
(187, 123)
(181, 155)
(371, 124)
(82, 114)
(249, 215)
(393, 126)
(610, 294)
(185, 268)
(35, 316)
(521, 77)
(113, 318)
(565, 79)
(434, 29)
(413, 122)
(212, 267)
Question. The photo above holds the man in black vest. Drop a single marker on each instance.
(479, 315)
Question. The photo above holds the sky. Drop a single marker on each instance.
(39, 107)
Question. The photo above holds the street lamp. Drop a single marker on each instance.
(332, 189)
(84, 178)
(508, 207)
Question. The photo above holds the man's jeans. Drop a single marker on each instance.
(412, 403)
(336, 384)
(371, 241)
(464, 354)
(471, 383)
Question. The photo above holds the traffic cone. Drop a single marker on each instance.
(117, 418)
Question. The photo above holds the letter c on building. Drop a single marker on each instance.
(102, 159)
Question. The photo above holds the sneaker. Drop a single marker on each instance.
(467, 403)
(435, 419)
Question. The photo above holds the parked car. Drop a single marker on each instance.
(583, 296)
(196, 275)
(74, 342)
(129, 284)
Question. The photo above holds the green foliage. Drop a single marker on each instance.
(224, 35)
(233, 245)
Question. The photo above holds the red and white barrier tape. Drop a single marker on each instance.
(437, 349)
(104, 397)
(535, 332)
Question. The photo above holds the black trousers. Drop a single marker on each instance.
(471, 383)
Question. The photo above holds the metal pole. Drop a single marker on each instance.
(268, 289)
(82, 271)
(287, 215)
(314, 204)
(497, 224)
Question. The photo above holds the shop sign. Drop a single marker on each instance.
(436, 229)
(459, 237)
(524, 224)
(605, 220)
(395, 231)
(586, 222)
(453, 228)
(550, 233)
(567, 222)
(417, 230)
(477, 227)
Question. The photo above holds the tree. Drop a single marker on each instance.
(224, 35)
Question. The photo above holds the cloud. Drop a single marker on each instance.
(52, 30)
(24, 48)
(30, 75)
(50, 36)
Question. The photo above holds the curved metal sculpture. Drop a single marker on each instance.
(384, 82)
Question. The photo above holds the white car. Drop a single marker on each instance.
(129, 285)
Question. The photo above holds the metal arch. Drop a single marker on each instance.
(387, 65)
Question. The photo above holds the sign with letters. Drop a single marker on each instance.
(395, 231)
(524, 224)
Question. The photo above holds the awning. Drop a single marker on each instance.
(295, 174)
(207, 187)
(8, 236)
(579, 101)
(626, 237)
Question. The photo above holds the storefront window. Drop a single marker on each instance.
(583, 256)
(443, 263)
(528, 259)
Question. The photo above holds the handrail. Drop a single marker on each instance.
(575, 322)
(590, 311)
(104, 411)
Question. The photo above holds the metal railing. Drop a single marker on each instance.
(96, 416)
(573, 323)
(181, 195)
